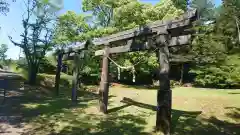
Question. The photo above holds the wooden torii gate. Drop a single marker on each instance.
(72, 53)
(158, 35)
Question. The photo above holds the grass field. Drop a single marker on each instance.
(195, 112)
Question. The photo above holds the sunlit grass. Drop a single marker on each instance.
(33, 105)
(195, 111)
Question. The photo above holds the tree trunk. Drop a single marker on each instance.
(58, 73)
(104, 84)
(32, 73)
(164, 95)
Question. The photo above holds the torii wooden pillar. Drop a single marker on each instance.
(104, 84)
(164, 93)
(58, 72)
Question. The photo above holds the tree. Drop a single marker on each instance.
(228, 23)
(3, 50)
(103, 9)
(71, 28)
(4, 6)
(205, 9)
(37, 34)
(181, 4)
(215, 45)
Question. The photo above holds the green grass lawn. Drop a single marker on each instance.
(195, 112)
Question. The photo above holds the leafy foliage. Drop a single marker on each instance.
(214, 49)
(46, 66)
(220, 76)
(205, 9)
(70, 28)
(3, 50)
(4, 6)
(227, 23)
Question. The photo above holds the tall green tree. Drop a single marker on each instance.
(37, 34)
(215, 45)
(205, 9)
(228, 23)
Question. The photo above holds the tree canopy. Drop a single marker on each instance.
(37, 34)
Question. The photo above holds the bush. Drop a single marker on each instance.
(174, 83)
(226, 75)
(48, 80)
(92, 79)
(17, 69)
(47, 66)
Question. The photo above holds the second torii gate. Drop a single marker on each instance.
(160, 35)
(75, 52)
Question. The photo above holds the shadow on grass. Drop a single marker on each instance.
(234, 113)
(52, 105)
(34, 101)
(118, 108)
(114, 124)
(190, 123)
(233, 93)
(78, 122)
(149, 87)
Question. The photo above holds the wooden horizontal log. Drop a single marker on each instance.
(131, 46)
(180, 40)
(70, 56)
(10, 75)
(160, 27)
(76, 47)
(178, 58)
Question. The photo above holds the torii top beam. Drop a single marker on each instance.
(179, 37)
(158, 27)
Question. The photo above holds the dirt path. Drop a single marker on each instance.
(10, 116)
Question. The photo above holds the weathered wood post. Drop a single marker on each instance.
(104, 84)
(5, 90)
(182, 73)
(58, 72)
(3, 86)
(75, 79)
(164, 94)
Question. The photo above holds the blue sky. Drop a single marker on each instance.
(11, 24)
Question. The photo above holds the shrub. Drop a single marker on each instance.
(224, 75)
(174, 83)
(17, 69)
(47, 66)
(48, 80)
